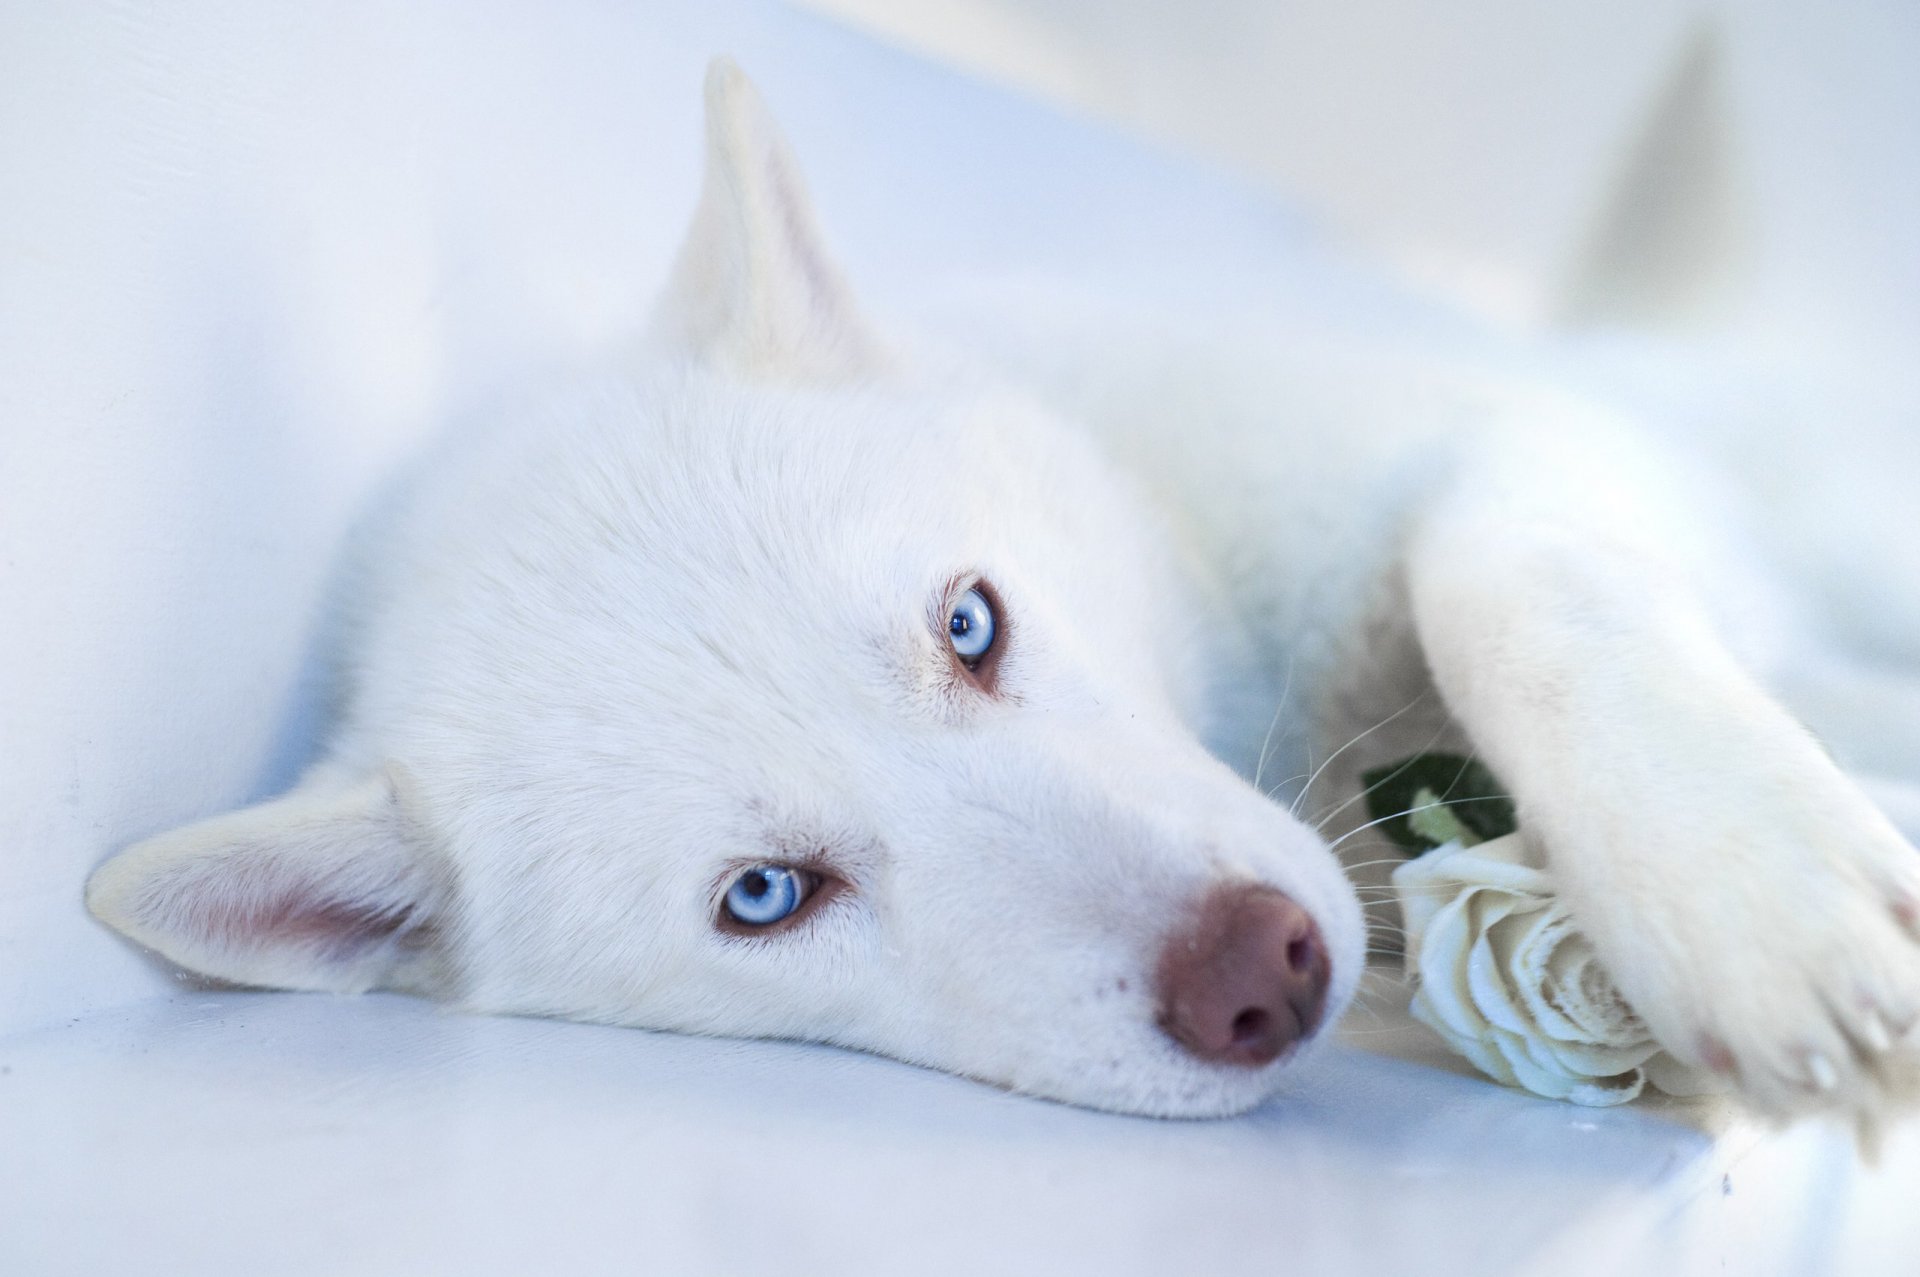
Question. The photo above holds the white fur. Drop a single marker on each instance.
(618, 644)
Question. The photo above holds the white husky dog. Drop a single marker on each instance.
(787, 685)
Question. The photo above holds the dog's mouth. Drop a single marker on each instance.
(1242, 987)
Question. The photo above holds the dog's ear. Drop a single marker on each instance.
(754, 290)
(325, 888)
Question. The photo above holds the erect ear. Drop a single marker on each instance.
(1672, 243)
(754, 290)
(325, 888)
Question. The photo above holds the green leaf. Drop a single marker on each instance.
(1438, 823)
(1428, 800)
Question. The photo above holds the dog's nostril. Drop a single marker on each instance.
(1246, 979)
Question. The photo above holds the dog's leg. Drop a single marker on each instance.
(1753, 904)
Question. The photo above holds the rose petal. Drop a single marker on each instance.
(1471, 1046)
(1601, 1061)
(1425, 889)
(1504, 863)
(1532, 1075)
(1528, 952)
(1492, 989)
(1533, 974)
(1542, 1070)
(1442, 970)
(1488, 979)
(1580, 988)
(1444, 980)
(1606, 1092)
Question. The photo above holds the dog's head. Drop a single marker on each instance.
(784, 689)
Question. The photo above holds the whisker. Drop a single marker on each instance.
(1451, 802)
(1369, 864)
(1294, 810)
(1377, 1030)
(1278, 785)
(1321, 822)
(1286, 690)
(1361, 1004)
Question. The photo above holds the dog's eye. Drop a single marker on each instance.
(970, 627)
(766, 894)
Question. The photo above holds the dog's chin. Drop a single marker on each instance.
(1196, 1094)
(1178, 1090)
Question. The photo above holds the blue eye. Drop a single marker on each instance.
(970, 627)
(766, 894)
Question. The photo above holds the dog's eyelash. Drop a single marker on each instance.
(822, 886)
(980, 674)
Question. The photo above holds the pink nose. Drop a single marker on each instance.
(1246, 979)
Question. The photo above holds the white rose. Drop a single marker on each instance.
(1504, 977)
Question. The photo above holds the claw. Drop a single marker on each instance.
(1715, 1055)
(1907, 913)
(1821, 1072)
(1872, 1032)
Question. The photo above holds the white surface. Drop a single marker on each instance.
(248, 254)
(252, 1133)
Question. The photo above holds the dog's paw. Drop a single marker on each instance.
(1769, 932)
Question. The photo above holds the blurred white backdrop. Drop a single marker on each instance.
(1482, 146)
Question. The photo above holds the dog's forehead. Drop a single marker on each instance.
(637, 581)
(792, 521)
(665, 542)
(714, 495)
